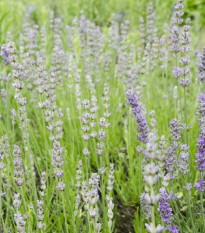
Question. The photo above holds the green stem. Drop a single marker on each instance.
(64, 210)
(202, 208)
(185, 116)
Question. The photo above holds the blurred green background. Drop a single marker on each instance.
(12, 12)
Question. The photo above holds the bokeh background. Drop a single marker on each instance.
(12, 12)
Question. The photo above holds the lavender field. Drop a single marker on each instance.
(102, 116)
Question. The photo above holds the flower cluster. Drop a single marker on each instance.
(201, 110)
(86, 128)
(40, 215)
(138, 113)
(58, 163)
(200, 156)
(1, 159)
(151, 176)
(109, 199)
(43, 184)
(200, 185)
(90, 198)
(183, 160)
(170, 161)
(20, 223)
(5, 51)
(166, 211)
(202, 67)
(19, 171)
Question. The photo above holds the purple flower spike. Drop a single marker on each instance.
(164, 207)
(200, 185)
(200, 156)
(175, 128)
(166, 211)
(138, 112)
(5, 54)
(177, 72)
(173, 229)
(202, 67)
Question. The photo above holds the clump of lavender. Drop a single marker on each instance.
(166, 211)
(139, 114)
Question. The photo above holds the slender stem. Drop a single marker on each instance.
(185, 116)
(202, 207)
(102, 191)
(190, 212)
(64, 210)
(152, 194)
(1, 210)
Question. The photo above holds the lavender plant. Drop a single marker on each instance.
(76, 84)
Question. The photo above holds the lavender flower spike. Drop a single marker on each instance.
(166, 211)
(200, 185)
(202, 67)
(200, 156)
(5, 54)
(137, 111)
